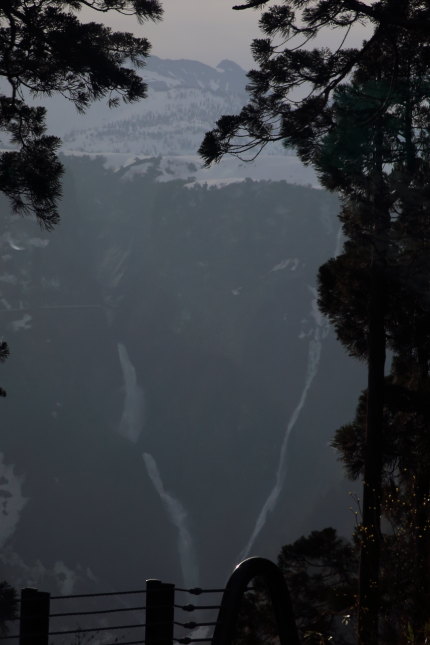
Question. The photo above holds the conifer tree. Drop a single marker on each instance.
(319, 570)
(46, 49)
(8, 606)
(351, 134)
(381, 255)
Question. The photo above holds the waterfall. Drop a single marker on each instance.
(178, 516)
(316, 336)
(132, 419)
(130, 427)
(339, 242)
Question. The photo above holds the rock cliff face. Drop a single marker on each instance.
(171, 388)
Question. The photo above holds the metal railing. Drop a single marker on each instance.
(160, 612)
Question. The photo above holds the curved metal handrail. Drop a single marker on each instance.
(236, 587)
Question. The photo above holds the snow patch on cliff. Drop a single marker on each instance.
(12, 500)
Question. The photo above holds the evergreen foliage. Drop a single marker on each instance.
(320, 573)
(45, 49)
(364, 125)
(8, 606)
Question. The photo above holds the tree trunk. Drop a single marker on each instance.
(370, 530)
(420, 606)
(370, 527)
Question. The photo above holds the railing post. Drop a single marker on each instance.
(34, 619)
(160, 600)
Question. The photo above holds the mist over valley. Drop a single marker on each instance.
(172, 387)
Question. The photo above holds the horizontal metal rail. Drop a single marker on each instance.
(160, 606)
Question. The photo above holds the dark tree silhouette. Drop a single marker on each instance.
(286, 66)
(8, 606)
(45, 49)
(320, 571)
(376, 158)
(365, 139)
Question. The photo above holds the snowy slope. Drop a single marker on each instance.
(185, 98)
(229, 171)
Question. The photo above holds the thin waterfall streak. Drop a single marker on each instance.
(321, 331)
(339, 240)
(132, 419)
(314, 355)
(178, 517)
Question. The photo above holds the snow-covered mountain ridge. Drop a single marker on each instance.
(185, 99)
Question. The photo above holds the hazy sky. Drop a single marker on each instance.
(204, 30)
(207, 30)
